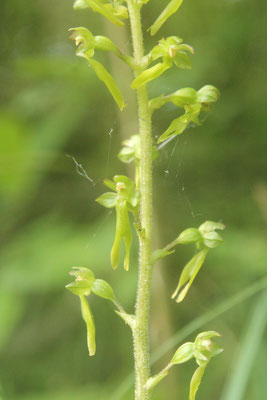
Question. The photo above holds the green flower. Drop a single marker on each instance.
(125, 199)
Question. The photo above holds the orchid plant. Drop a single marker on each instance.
(132, 198)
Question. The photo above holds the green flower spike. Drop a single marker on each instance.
(125, 199)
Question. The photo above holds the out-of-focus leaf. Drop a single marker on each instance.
(13, 148)
(78, 393)
(40, 257)
(39, 142)
(12, 308)
(246, 354)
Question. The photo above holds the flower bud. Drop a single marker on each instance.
(105, 44)
(102, 289)
(184, 353)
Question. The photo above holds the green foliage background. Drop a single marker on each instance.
(51, 106)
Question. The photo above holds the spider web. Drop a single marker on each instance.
(177, 154)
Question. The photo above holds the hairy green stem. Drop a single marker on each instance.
(141, 331)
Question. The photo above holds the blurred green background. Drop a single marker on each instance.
(52, 106)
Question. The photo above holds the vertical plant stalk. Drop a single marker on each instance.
(160, 321)
(141, 331)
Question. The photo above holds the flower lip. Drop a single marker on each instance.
(120, 186)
